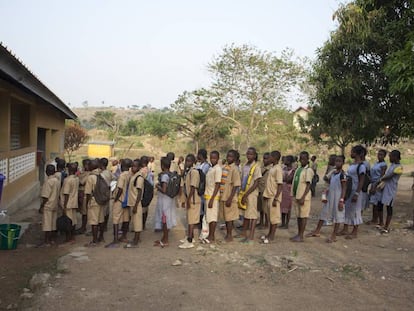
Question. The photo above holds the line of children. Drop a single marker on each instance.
(280, 190)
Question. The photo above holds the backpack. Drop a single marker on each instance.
(173, 185)
(348, 190)
(367, 179)
(101, 192)
(148, 192)
(64, 223)
(202, 186)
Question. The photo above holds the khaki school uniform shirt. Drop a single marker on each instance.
(82, 179)
(192, 179)
(274, 178)
(233, 179)
(123, 181)
(136, 182)
(265, 174)
(90, 185)
(174, 167)
(257, 174)
(213, 176)
(50, 191)
(306, 177)
(70, 187)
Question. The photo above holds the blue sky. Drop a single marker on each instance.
(148, 52)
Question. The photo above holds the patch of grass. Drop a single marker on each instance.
(295, 253)
(350, 270)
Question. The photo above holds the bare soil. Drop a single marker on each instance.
(373, 272)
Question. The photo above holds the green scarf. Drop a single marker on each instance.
(296, 179)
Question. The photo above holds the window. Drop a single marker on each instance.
(19, 126)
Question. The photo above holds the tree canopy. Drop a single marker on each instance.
(363, 76)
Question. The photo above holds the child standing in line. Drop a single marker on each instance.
(69, 198)
(353, 205)
(230, 183)
(251, 175)
(107, 175)
(165, 216)
(264, 214)
(81, 195)
(377, 171)
(390, 179)
(135, 191)
(286, 204)
(272, 195)
(334, 209)
(49, 205)
(95, 210)
(301, 194)
(211, 195)
(120, 215)
(193, 201)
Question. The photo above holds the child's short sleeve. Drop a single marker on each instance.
(164, 178)
(194, 178)
(140, 182)
(46, 189)
(217, 174)
(309, 175)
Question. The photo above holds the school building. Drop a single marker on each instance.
(298, 114)
(32, 125)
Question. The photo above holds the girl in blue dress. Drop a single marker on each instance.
(377, 171)
(390, 183)
(353, 205)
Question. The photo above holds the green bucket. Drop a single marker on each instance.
(9, 235)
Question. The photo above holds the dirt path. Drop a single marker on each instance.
(374, 272)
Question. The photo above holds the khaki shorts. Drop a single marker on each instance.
(302, 211)
(71, 213)
(136, 219)
(95, 214)
(274, 211)
(193, 214)
(117, 213)
(49, 220)
(82, 204)
(229, 213)
(251, 210)
(126, 213)
(212, 213)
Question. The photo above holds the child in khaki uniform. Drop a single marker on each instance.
(273, 195)
(135, 191)
(251, 175)
(49, 205)
(193, 201)
(69, 198)
(81, 195)
(95, 211)
(120, 215)
(301, 194)
(230, 183)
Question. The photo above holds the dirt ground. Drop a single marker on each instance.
(373, 272)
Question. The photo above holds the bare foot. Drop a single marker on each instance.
(294, 237)
(330, 240)
(228, 239)
(351, 236)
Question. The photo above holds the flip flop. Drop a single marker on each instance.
(312, 235)
(263, 237)
(205, 241)
(112, 245)
(157, 243)
(329, 240)
(130, 245)
(163, 244)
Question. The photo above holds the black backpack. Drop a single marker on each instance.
(367, 179)
(173, 185)
(202, 186)
(101, 192)
(63, 224)
(148, 193)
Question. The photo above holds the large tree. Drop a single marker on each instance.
(248, 84)
(109, 121)
(359, 89)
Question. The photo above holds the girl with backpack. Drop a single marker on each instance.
(390, 184)
(165, 216)
(353, 205)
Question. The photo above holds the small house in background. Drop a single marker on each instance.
(32, 126)
(299, 113)
(101, 149)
